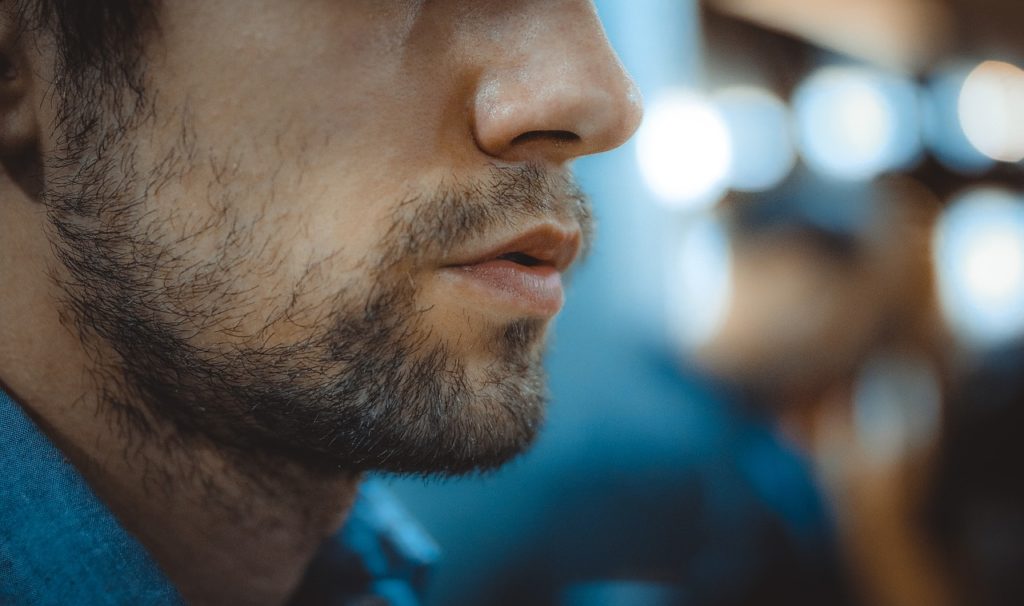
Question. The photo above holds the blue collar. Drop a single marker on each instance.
(60, 545)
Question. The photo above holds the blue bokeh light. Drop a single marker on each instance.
(943, 131)
(700, 284)
(854, 123)
(759, 126)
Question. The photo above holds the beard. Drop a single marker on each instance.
(368, 385)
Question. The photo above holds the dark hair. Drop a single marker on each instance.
(89, 33)
(97, 62)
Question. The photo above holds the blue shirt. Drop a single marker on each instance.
(60, 545)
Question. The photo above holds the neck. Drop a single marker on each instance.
(226, 528)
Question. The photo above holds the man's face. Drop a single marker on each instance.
(335, 229)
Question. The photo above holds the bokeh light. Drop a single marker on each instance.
(854, 123)
(943, 130)
(761, 138)
(700, 282)
(979, 255)
(991, 110)
(897, 407)
(684, 151)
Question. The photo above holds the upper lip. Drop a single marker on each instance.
(548, 245)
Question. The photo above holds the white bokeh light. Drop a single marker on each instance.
(991, 110)
(979, 256)
(700, 281)
(763, 152)
(855, 123)
(684, 151)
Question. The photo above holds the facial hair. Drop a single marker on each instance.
(368, 387)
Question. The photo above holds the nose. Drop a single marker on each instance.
(555, 90)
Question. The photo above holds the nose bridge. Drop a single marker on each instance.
(555, 89)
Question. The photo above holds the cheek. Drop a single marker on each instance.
(256, 258)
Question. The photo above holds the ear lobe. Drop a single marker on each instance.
(19, 124)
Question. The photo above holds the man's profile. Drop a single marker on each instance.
(250, 250)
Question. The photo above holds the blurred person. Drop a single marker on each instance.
(818, 286)
(816, 302)
(252, 250)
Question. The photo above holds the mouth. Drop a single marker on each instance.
(522, 275)
(546, 245)
(523, 259)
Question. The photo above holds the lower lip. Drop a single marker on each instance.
(532, 290)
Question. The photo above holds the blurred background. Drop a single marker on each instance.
(791, 372)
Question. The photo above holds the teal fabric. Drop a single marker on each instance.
(59, 545)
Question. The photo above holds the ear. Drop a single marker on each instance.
(19, 112)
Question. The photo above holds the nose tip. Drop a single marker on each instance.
(557, 104)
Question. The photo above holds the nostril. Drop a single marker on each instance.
(549, 136)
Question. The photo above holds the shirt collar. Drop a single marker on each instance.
(60, 545)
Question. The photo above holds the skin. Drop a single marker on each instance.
(297, 166)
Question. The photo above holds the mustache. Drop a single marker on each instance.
(425, 229)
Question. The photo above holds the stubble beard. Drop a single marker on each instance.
(368, 387)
